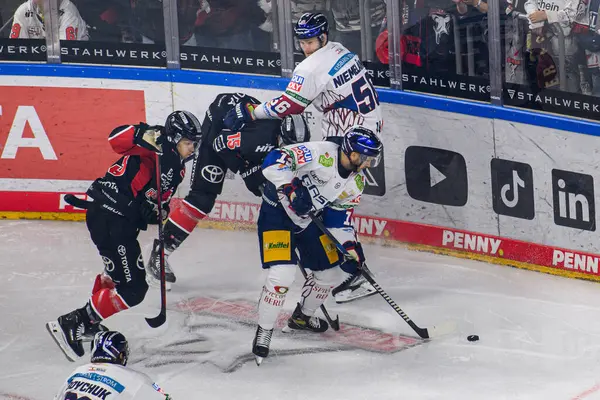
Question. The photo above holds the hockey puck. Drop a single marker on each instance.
(472, 338)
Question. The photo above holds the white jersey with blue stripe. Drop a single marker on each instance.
(99, 381)
(316, 165)
(336, 83)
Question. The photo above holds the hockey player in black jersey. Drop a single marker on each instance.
(220, 150)
(124, 201)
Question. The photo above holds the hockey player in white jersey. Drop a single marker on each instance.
(331, 78)
(106, 377)
(315, 176)
(28, 22)
(335, 82)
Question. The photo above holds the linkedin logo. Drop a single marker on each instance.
(573, 199)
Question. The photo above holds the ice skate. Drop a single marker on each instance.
(67, 331)
(261, 343)
(353, 288)
(153, 268)
(300, 321)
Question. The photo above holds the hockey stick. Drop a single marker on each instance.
(422, 332)
(77, 202)
(335, 324)
(162, 316)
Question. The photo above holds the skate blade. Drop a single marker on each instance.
(258, 360)
(59, 337)
(347, 296)
(153, 282)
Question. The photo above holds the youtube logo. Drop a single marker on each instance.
(436, 176)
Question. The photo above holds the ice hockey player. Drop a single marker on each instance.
(106, 377)
(125, 202)
(320, 177)
(220, 150)
(335, 82)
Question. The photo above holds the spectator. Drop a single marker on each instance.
(569, 16)
(28, 22)
(346, 14)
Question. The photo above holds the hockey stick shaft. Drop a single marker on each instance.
(422, 332)
(162, 316)
(334, 323)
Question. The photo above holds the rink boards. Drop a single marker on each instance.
(485, 188)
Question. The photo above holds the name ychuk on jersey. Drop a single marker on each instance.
(91, 388)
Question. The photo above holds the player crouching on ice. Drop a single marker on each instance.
(320, 177)
(106, 377)
(124, 202)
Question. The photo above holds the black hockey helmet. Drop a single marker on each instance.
(294, 129)
(110, 347)
(182, 125)
(311, 25)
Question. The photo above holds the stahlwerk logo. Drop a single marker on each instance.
(198, 337)
(550, 100)
(445, 83)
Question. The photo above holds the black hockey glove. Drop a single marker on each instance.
(149, 212)
(299, 196)
(356, 252)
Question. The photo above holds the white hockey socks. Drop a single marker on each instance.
(276, 286)
(317, 288)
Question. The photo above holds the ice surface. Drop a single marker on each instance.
(540, 334)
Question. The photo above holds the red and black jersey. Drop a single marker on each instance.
(132, 179)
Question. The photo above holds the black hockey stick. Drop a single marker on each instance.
(77, 202)
(162, 316)
(422, 332)
(334, 323)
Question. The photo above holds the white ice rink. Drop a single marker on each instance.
(540, 334)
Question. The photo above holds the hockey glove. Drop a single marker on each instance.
(299, 196)
(356, 252)
(148, 137)
(149, 212)
(236, 118)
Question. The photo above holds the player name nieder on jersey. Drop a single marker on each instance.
(347, 75)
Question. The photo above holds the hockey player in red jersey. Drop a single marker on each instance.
(124, 201)
(241, 152)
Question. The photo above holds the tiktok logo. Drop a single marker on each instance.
(512, 189)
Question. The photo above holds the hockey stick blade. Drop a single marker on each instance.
(422, 332)
(158, 320)
(76, 201)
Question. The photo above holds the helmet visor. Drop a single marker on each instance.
(370, 161)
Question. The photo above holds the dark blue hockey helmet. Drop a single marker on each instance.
(364, 142)
(110, 347)
(311, 25)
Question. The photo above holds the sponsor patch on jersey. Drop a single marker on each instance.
(330, 249)
(326, 160)
(296, 83)
(276, 246)
(360, 182)
(345, 59)
(303, 154)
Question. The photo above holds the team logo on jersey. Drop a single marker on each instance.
(295, 84)
(303, 154)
